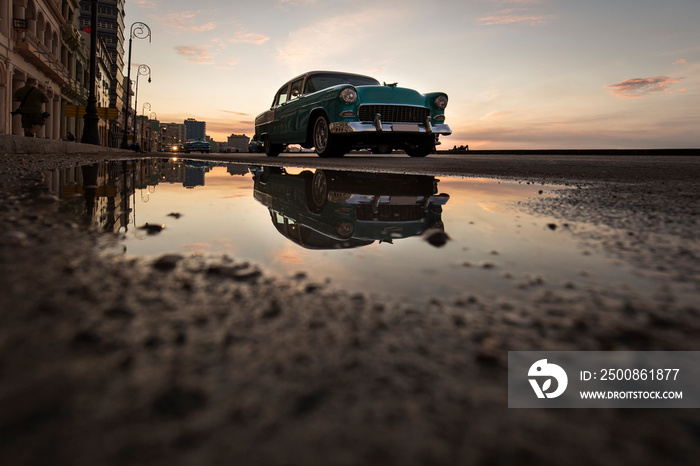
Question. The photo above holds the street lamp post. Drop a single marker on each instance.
(143, 126)
(142, 71)
(91, 132)
(138, 30)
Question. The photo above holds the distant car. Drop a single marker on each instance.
(178, 148)
(255, 146)
(336, 112)
(197, 146)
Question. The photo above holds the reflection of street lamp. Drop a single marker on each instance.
(91, 132)
(139, 30)
(142, 71)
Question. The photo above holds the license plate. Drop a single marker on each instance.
(402, 200)
(405, 127)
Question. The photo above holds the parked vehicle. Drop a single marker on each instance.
(197, 146)
(335, 112)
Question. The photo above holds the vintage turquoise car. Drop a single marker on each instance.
(335, 112)
(197, 146)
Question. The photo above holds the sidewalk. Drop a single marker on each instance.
(11, 144)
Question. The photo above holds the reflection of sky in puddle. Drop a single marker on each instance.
(495, 250)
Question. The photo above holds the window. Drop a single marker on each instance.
(322, 81)
(282, 95)
(296, 89)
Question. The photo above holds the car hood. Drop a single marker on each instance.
(389, 95)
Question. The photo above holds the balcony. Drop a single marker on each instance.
(41, 57)
(71, 36)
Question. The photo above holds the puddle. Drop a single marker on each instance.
(359, 232)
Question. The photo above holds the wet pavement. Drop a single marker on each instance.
(220, 321)
(416, 236)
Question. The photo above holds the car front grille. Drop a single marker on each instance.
(390, 213)
(394, 113)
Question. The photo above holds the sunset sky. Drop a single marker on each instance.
(519, 73)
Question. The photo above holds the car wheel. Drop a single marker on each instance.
(271, 150)
(422, 148)
(317, 194)
(383, 149)
(325, 143)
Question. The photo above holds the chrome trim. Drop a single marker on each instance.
(378, 122)
(428, 126)
(361, 127)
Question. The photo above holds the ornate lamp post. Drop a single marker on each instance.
(138, 30)
(91, 132)
(143, 124)
(142, 71)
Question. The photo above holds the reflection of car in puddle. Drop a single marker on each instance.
(335, 209)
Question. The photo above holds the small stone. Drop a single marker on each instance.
(167, 262)
(436, 237)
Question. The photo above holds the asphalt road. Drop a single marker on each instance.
(544, 166)
(116, 360)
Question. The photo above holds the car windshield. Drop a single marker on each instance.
(322, 81)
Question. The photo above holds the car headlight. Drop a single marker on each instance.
(441, 102)
(348, 95)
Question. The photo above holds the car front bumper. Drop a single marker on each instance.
(381, 127)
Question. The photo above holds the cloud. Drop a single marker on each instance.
(641, 86)
(196, 54)
(502, 115)
(248, 38)
(228, 65)
(682, 61)
(185, 20)
(296, 2)
(331, 40)
(510, 17)
(234, 113)
(148, 4)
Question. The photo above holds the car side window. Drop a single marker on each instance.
(296, 89)
(282, 96)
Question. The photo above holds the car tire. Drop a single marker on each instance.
(383, 149)
(325, 143)
(421, 148)
(270, 149)
(317, 192)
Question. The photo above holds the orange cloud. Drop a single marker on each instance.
(641, 86)
(504, 17)
(249, 38)
(680, 62)
(196, 54)
(185, 20)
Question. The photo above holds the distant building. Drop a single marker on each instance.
(195, 130)
(111, 30)
(238, 142)
(172, 134)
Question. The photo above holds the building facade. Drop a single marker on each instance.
(195, 130)
(42, 39)
(110, 29)
(172, 134)
(238, 143)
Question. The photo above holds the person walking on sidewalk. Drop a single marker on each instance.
(31, 107)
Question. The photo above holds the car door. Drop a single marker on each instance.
(288, 113)
(275, 124)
